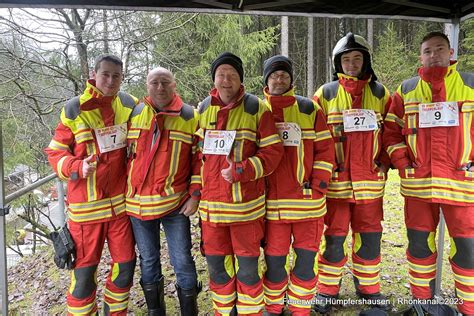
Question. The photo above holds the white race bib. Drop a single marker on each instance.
(356, 120)
(438, 114)
(218, 142)
(111, 137)
(290, 133)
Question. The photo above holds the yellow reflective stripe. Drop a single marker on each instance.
(368, 280)
(236, 192)
(421, 269)
(91, 180)
(322, 165)
(115, 307)
(92, 205)
(467, 106)
(115, 271)
(129, 179)
(467, 142)
(300, 164)
(368, 195)
(412, 137)
(244, 309)
(247, 299)
(133, 133)
(366, 269)
(248, 135)
(298, 302)
(196, 179)
(232, 207)
(308, 134)
(373, 185)
(173, 167)
(223, 310)
(442, 182)
(116, 296)
(81, 310)
(180, 136)
(229, 265)
(339, 152)
(278, 300)
(275, 292)
(289, 215)
(55, 145)
(411, 109)
(334, 118)
(223, 299)
(465, 295)
(391, 117)
(323, 135)
(392, 148)
(375, 147)
(466, 280)
(83, 136)
(153, 205)
(340, 185)
(330, 269)
(218, 218)
(59, 168)
(339, 195)
(269, 140)
(257, 165)
(420, 282)
(329, 280)
(293, 203)
(438, 194)
(298, 290)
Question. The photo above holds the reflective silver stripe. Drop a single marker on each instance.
(420, 282)
(223, 299)
(290, 203)
(223, 206)
(270, 140)
(186, 138)
(391, 117)
(257, 165)
(469, 281)
(421, 269)
(366, 269)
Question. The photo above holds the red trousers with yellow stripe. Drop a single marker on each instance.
(304, 271)
(232, 253)
(89, 241)
(365, 221)
(421, 219)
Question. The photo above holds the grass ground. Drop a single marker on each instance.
(37, 287)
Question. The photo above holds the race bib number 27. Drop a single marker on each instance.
(357, 120)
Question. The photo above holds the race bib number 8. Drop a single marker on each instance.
(111, 137)
(290, 133)
(357, 120)
(218, 142)
(438, 114)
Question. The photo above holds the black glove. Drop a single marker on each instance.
(64, 250)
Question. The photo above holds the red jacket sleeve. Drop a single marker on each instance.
(269, 153)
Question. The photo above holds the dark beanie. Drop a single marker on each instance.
(275, 63)
(227, 58)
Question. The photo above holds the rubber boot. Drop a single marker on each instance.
(188, 300)
(155, 297)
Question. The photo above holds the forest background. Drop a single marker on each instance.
(46, 57)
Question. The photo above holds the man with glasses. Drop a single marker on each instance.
(296, 201)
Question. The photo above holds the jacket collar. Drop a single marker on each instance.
(280, 101)
(434, 74)
(216, 99)
(174, 108)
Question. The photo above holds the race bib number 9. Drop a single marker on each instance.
(438, 114)
(111, 137)
(290, 133)
(357, 120)
(218, 142)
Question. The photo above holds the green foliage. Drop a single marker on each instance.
(393, 61)
(466, 51)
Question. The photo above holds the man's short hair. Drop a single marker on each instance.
(107, 57)
(430, 35)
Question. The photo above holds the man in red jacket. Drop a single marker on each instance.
(89, 151)
(239, 146)
(429, 136)
(296, 191)
(161, 146)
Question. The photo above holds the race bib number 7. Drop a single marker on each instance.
(111, 137)
(217, 142)
(438, 114)
(357, 120)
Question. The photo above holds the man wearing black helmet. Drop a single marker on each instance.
(355, 105)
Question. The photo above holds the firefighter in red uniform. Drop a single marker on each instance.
(239, 146)
(355, 105)
(429, 136)
(89, 151)
(296, 201)
(161, 147)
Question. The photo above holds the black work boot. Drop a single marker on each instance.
(376, 300)
(188, 300)
(324, 303)
(155, 297)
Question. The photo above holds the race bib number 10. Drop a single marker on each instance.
(111, 137)
(357, 120)
(438, 114)
(218, 142)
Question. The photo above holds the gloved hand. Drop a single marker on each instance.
(64, 250)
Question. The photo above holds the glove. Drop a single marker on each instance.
(64, 250)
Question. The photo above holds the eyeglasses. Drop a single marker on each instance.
(276, 76)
